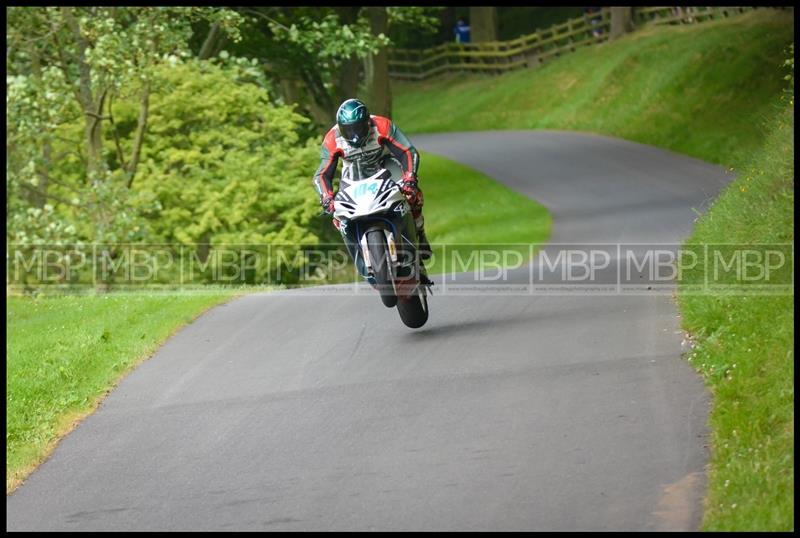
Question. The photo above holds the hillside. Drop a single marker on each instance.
(701, 90)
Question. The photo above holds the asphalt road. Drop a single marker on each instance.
(303, 411)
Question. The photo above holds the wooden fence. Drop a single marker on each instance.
(535, 49)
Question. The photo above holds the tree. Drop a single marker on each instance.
(483, 24)
(66, 63)
(380, 90)
(621, 21)
(318, 57)
(315, 55)
(225, 165)
(384, 21)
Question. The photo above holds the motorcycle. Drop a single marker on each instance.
(378, 229)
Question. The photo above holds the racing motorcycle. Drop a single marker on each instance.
(378, 229)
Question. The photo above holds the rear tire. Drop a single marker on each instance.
(414, 310)
(381, 266)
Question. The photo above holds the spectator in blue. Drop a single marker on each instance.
(461, 31)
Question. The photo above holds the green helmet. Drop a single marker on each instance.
(353, 121)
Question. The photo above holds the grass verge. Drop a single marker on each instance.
(464, 207)
(744, 347)
(64, 354)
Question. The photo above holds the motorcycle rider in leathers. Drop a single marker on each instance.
(363, 142)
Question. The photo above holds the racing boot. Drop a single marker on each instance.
(423, 278)
(422, 239)
(424, 246)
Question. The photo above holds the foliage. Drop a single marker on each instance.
(219, 160)
(328, 38)
(40, 226)
(65, 65)
(311, 55)
(317, 57)
(82, 53)
(419, 19)
(416, 27)
(224, 165)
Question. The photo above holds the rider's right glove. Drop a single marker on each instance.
(327, 204)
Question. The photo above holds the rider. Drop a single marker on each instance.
(363, 141)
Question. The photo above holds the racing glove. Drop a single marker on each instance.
(327, 204)
(410, 189)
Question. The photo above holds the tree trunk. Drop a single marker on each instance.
(320, 97)
(348, 76)
(221, 42)
(94, 135)
(84, 71)
(448, 23)
(369, 73)
(323, 117)
(348, 79)
(295, 92)
(621, 22)
(44, 178)
(483, 24)
(208, 45)
(92, 110)
(39, 197)
(141, 128)
(380, 87)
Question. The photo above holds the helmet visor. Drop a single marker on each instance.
(355, 133)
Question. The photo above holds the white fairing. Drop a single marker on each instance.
(365, 197)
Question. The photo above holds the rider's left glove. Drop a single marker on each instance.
(410, 189)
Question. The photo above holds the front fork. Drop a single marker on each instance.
(354, 235)
(389, 242)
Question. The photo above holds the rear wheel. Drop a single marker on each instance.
(413, 310)
(381, 266)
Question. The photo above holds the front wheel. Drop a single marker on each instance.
(381, 266)
(413, 309)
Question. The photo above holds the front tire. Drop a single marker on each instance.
(413, 310)
(381, 266)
